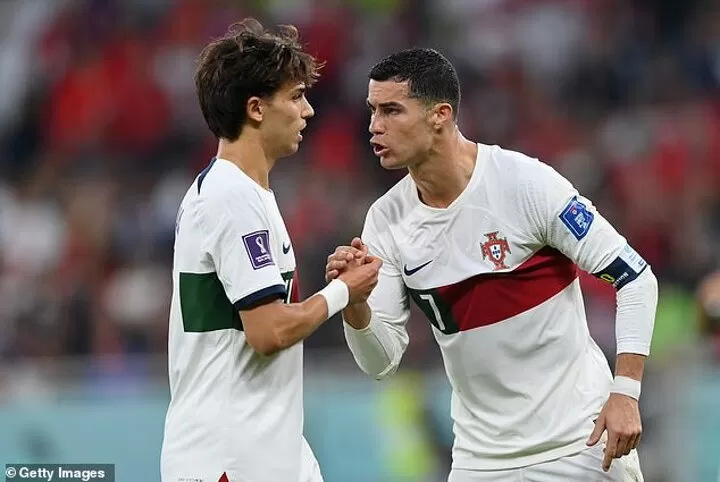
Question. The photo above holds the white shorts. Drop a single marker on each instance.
(309, 468)
(309, 471)
(585, 466)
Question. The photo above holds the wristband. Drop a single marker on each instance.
(626, 386)
(336, 296)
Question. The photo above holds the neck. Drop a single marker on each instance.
(446, 171)
(248, 154)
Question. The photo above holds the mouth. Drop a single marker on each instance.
(378, 149)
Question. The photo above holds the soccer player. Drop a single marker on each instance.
(488, 243)
(236, 325)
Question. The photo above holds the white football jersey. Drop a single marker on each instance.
(496, 274)
(232, 410)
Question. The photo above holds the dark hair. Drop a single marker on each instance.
(248, 61)
(430, 76)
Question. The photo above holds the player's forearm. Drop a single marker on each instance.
(357, 315)
(277, 326)
(635, 320)
(628, 375)
(284, 325)
(630, 365)
(300, 320)
(376, 347)
(636, 306)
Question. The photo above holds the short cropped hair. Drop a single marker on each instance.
(248, 61)
(431, 77)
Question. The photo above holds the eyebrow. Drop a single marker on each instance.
(385, 104)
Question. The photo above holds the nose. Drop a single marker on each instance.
(376, 126)
(308, 111)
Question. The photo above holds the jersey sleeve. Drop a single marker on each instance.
(389, 300)
(379, 348)
(566, 220)
(237, 239)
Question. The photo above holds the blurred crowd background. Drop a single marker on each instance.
(100, 136)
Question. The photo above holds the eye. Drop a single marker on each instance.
(390, 111)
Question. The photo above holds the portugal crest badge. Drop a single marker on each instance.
(495, 248)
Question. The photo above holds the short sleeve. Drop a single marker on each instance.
(237, 238)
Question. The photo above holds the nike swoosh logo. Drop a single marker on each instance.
(410, 272)
(286, 249)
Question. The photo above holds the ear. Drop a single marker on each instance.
(254, 109)
(441, 115)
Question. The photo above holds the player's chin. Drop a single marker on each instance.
(390, 162)
(292, 148)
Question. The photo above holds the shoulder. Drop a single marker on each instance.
(520, 169)
(521, 176)
(222, 181)
(223, 193)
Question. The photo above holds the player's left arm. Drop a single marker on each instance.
(375, 330)
(571, 223)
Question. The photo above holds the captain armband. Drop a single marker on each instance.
(626, 267)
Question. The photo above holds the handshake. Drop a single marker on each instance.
(355, 267)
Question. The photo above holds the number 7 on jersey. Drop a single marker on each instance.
(436, 312)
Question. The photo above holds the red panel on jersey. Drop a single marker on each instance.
(295, 290)
(224, 478)
(489, 298)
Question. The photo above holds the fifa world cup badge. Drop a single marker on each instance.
(495, 248)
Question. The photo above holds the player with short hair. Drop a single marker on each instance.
(488, 243)
(236, 324)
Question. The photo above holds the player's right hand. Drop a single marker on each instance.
(344, 257)
(362, 279)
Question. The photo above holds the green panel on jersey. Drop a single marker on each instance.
(437, 310)
(204, 305)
